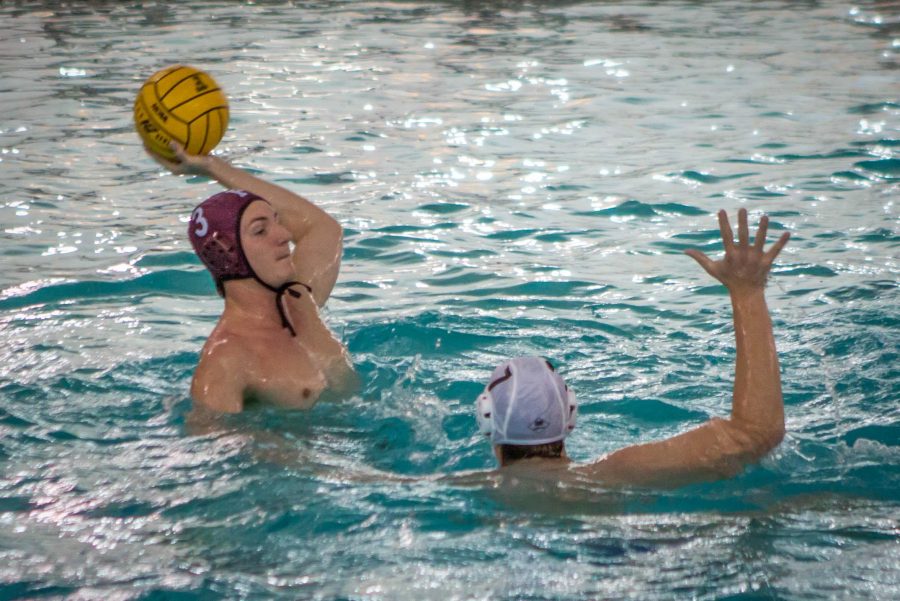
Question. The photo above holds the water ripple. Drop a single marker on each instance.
(513, 179)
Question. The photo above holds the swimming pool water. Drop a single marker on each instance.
(513, 178)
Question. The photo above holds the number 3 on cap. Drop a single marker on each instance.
(202, 224)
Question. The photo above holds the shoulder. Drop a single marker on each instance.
(219, 381)
(224, 347)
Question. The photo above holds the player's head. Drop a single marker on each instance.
(237, 236)
(526, 409)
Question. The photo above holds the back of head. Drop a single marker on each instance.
(527, 404)
(508, 453)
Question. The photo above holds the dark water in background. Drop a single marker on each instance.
(514, 178)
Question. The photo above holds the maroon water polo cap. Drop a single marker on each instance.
(215, 233)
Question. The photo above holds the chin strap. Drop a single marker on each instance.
(279, 295)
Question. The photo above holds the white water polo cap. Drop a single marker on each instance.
(526, 403)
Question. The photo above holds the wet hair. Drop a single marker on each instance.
(514, 452)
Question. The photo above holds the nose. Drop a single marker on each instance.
(281, 234)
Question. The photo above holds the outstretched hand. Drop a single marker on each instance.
(187, 164)
(745, 266)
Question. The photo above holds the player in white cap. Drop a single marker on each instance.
(527, 409)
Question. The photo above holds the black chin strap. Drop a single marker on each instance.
(279, 293)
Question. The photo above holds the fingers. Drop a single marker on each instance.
(705, 262)
(725, 228)
(776, 248)
(161, 160)
(178, 149)
(743, 228)
(189, 164)
(760, 239)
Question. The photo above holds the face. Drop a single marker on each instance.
(266, 244)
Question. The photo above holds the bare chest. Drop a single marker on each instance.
(278, 368)
(285, 374)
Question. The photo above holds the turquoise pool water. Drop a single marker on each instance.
(514, 178)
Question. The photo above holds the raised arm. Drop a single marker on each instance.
(721, 448)
(317, 237)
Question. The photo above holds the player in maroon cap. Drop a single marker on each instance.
(275, 257)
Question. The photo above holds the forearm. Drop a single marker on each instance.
(757, 403)
(317, 237)
(296, 213)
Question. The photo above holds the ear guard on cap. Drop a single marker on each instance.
(485, 410)
(573, 409)
(483, 413)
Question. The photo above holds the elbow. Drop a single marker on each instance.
(331, 229)
(331, 225)
(319, 230)
(779, 435)
(339, 235)
(757, 441)
(336, 239)
(764, 441)
(775, 437)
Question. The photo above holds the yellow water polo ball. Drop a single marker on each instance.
(184, 104)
